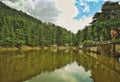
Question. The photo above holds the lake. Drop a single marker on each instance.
(61, 66)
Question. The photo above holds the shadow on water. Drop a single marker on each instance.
(18, 66)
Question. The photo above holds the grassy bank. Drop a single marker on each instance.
(8, 48)
(21, 48)
(27, 48)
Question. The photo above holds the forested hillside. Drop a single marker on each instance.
(18, 28)
(103, 22)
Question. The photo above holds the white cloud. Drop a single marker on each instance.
(92, 0)
(87, 8)
(112, 0)
(68, 12)
(45, 10)
(32, 4)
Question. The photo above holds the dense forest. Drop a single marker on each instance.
(18, 29)
(103, 22)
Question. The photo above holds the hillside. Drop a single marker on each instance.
(103, 22)
(18, 29)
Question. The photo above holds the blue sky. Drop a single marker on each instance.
(87, 8)
(70, 14)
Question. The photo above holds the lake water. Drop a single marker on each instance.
(62, 66)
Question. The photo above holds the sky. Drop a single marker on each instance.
(70, 14)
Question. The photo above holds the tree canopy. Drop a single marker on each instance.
(18, 28)
(104, 21)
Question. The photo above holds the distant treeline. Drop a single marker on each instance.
(18, 28)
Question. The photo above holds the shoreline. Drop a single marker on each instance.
(101, 49)
(104, 49)
(27, 48)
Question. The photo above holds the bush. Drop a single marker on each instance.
(116, 41)
(89, 43)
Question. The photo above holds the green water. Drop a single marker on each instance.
(48, 66)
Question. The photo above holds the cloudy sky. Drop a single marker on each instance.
(70, 14)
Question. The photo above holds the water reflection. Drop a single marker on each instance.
(70, 73)
(73, 66)
(104, 68)
(19, 66)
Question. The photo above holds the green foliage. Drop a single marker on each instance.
(117, 41)
(103, 22)
(18, 28)
(89, 43)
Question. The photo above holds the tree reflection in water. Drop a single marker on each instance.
(18, 66)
